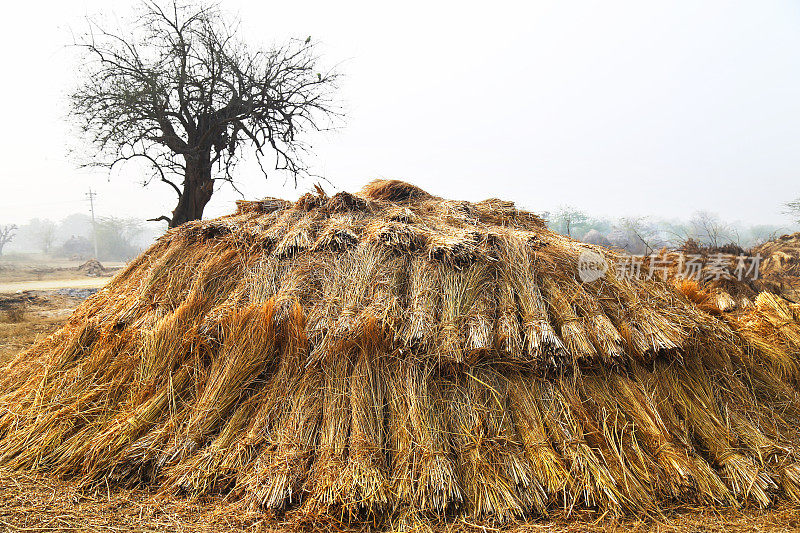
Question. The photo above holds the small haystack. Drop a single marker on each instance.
(393, 357)
(727, 282)
(772, 267)
(780, 268)
(92, 268)
(781, 256)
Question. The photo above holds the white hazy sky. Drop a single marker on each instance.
(618, 108)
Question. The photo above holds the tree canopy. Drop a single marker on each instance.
(180, 88)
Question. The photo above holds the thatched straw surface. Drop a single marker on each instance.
(780, 267)
(391, 357)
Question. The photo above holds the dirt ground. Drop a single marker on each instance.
(49, 285)
(28, 268)
(37, 294)
(37, 503)
(17, 277)
(28, 316)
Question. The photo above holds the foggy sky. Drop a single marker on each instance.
(617, 108)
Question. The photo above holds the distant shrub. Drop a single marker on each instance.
(76, 247)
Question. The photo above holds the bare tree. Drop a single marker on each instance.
(761, 233)
(710, 230)
(46, 234)
(179, 89)
(567, 218)
(636, 235)
(7, 234)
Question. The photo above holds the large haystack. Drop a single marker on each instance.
(391, 356)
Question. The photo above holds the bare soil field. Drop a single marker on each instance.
(28, 316)
(30, 268)
(49, 285)
(37, 294)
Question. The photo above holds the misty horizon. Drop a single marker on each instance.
(627, 109)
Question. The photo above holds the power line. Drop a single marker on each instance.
(91, 195)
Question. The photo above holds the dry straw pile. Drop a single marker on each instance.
(781, 265)
(390, 356)
(781, 255)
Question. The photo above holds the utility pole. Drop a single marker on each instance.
(90, 195)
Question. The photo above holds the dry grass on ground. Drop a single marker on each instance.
(29, 316)
(38, 504)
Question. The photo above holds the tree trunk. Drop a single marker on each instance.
(197, 190)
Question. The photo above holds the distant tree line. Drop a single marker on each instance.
(118, 239)
(644, 235)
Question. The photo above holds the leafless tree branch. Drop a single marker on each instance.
(7, 234)
(180, 88)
